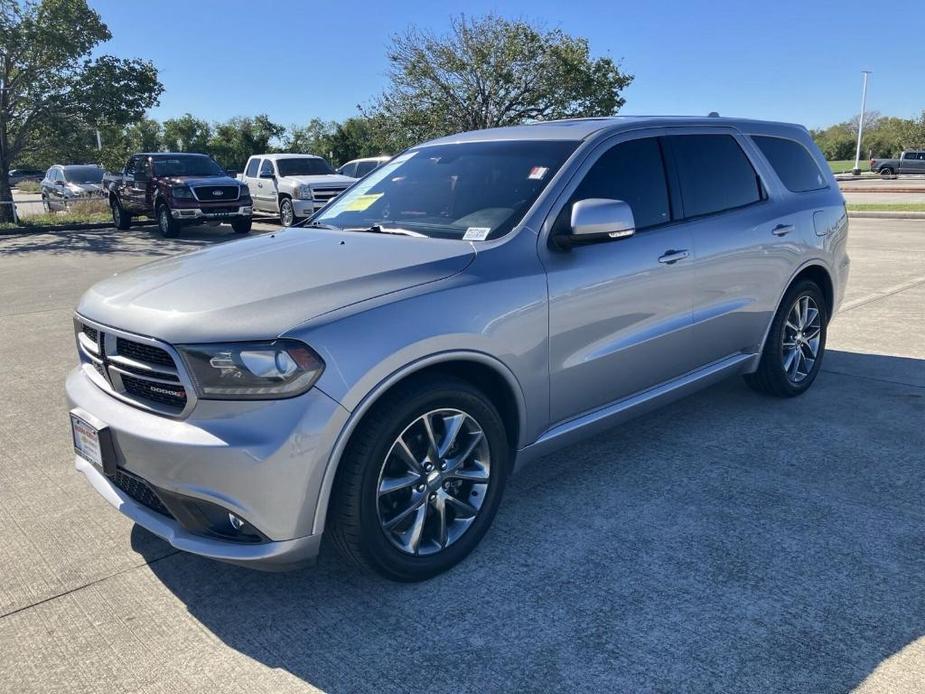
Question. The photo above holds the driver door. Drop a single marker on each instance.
(619, 310)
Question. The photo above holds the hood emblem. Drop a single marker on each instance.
(217, 193)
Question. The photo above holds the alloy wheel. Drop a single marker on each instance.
(800, 339)
(287, 216)
(433, 482)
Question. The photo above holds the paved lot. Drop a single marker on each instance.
(730, 542)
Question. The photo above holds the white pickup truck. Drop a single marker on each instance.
(292, 185)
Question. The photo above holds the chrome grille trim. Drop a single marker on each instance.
(326, 193)
(230, 194)
(104, 366)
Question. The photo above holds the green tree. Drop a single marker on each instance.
(187, 134)
(48, 78)
(491, 72)
(234, 141)
(316, 137)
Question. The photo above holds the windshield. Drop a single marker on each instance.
(306, 166)
(83, 174)
(472, 190)
(186, 165)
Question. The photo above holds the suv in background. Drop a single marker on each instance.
(63, 185)
(178, 189)
(909, 162)
(293, 186)
(357, 168)
(471, 306)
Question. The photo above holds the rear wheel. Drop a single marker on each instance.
(795, 346)
(421, 480)
(886, 172)
(120, 218)
(166, 224)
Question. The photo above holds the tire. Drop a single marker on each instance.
(166, 224)
(779, 373)
(886, 172)
(120, 218)
(242, 226)
(360, 512)
(286, 213)
(46, 207)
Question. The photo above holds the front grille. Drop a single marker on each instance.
(140, 491)
(166, 394)
(92, 333)
(326, 194)
(217, 193)
(223, 209)
(142, 352)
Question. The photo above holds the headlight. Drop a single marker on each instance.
(181, 193)
(304, 192)
(252, 370)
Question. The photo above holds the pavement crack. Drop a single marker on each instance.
(873, 378)
(94, 582)
(877, 296)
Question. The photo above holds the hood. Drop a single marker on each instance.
(259, 287)
(201, 181)
(322, 180)
(87, 187)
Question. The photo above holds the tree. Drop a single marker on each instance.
(233, 142)
(491, 72)
(313, 138)
(48, 78)
(187, 134)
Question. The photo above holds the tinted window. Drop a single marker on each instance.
(793, 164)
(635, 173)
(714, 174)
(303, 166)
(348, 170)
(251, 171)
(364, 167)
(83, 174)
(186, 165)
(266, 169)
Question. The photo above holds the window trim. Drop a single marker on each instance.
(752, 136)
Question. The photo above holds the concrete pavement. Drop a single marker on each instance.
(730, 542)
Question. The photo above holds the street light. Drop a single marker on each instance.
(857, 156)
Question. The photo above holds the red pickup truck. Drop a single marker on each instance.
(178, 189)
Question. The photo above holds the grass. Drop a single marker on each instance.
(847, 165)
(29, 187)
(886, 207)
(82, 212)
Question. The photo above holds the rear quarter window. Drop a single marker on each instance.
(714, 174)
(792, 162)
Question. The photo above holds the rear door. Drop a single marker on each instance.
(619, 310)
(747, 237)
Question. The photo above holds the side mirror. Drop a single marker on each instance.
(601, 218)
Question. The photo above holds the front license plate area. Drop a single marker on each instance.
(93, 443)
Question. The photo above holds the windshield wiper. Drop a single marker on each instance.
(379, 229)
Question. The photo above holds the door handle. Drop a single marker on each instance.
(782, 229)
(260, 185)
(673, 256)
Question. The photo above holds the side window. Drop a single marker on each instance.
(793, 164)
(714, 174)
(141, 168)
(364, 167)
(251, 170)
(266, 169)
(349, 170)
(633, 172)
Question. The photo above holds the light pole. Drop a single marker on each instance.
(857, 157)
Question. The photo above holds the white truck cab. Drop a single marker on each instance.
(293, 186)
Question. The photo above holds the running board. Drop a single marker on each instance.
(606, 417)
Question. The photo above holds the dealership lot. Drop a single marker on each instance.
(730, 541)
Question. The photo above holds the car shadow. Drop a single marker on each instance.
(730, 541)
(137, 241)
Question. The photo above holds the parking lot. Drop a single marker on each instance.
(730, 542)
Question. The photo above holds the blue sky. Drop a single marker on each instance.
(788, 60)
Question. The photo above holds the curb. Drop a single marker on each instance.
(873, 214)
(67, 227)
(869, 189)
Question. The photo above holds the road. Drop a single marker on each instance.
(730, 542)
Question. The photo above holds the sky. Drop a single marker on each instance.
(793, 60)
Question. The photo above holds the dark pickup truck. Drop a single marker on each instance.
(176, 190)
(908, 162)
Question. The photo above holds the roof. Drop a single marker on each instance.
(576, 129)
(277, 157)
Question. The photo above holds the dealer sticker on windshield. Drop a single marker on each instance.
(538, 173)
(476, 233)
(361, 202)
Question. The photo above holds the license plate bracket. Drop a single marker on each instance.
(93, 441)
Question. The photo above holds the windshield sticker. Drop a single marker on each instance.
(476, 233)
(538, 173)
(361, 202)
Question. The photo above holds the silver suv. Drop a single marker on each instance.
(474, 304)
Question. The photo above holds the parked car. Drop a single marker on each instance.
(357, 168)
(19, 175)
(294, 186)
(908, 162)
(474, 304)
(64, 185)
(178, 189)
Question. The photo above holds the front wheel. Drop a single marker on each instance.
(795, 346)
(241, 225)
(166, 224)
(421, 480)
(120, 218)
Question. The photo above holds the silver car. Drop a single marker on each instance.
(64, 185)
(476, 303)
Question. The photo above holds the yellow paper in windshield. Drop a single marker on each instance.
(361, 202)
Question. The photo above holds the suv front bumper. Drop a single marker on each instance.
(264, 461)
(199, 214)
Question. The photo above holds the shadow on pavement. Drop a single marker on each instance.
(728, 542)
(140, 241)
